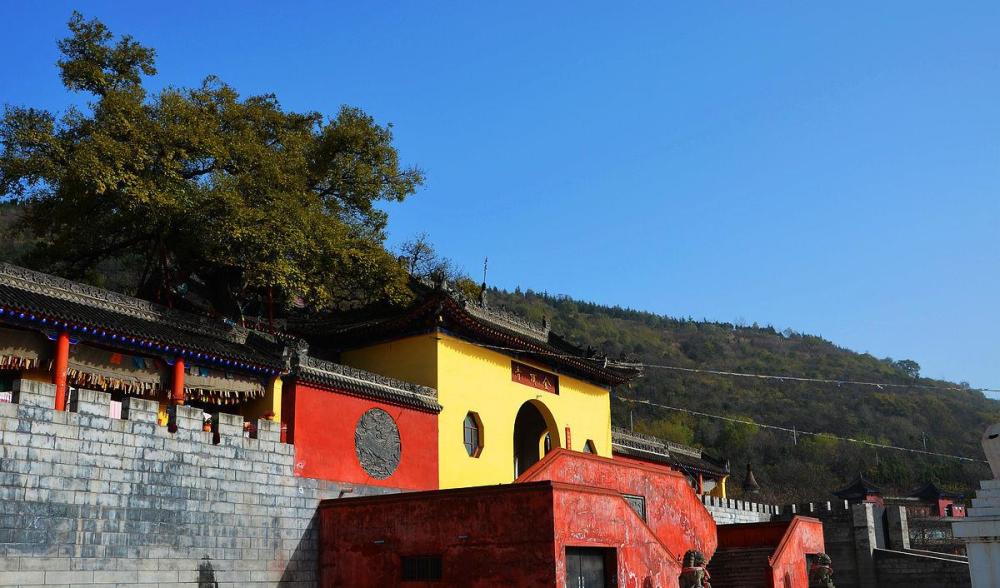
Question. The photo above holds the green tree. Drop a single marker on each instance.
(201, 191)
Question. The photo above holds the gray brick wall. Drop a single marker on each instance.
(726, 511)
(896, 569)
(89, 500)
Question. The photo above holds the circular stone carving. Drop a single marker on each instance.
(376, 441)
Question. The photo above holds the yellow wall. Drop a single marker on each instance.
(269, 402)
(472, 378)
(413, 359)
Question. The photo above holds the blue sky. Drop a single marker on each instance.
(829, 167)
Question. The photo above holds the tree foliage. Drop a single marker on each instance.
(201, 191)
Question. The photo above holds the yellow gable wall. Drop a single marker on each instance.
(472, 378)
(413, 359)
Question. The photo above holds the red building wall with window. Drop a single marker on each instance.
(674, 512)
(484, 537)
(324, 423)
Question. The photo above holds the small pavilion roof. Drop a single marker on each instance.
(857, 489)
(930, 492)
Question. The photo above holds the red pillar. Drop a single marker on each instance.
(177, 382)
(59, 367)
(701, 484)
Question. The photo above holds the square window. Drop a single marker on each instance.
(421, 568)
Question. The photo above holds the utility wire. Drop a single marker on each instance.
(797, 431)
(780, 378)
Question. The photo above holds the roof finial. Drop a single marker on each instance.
(482, 290)
(750, 485)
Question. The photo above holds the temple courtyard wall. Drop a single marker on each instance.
(86, 499)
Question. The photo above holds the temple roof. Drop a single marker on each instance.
(681, 457)
(931, 492)
(439, 307)
(44, 302)
(857, 489)
(353, 380)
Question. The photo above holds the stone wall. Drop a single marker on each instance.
(898, 569)
(934, 534)
(86, 499)
(727, 511)
(847, 538)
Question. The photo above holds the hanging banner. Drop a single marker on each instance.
(99, 369)
(23, 350)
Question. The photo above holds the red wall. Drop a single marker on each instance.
(791, 541)
(508, 535)
(674, 512)
(323, 434)
(595, 517)
(487, 537)
(788, 567)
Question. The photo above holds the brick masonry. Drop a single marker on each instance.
(90, 500)
(897, 569)
(727, 511)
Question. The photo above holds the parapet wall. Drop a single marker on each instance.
(87, 499)
(727, 511)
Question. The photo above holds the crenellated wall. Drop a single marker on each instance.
(86, 499)
(727, 511)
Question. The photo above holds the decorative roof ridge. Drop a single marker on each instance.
(622, 436)
(504, 318)
(359, 376)
(64, 289)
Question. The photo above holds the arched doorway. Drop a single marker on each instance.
(535, 434)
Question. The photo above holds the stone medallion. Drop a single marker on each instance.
(376, 441)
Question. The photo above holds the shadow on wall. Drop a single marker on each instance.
(206, 574)
(301, 565)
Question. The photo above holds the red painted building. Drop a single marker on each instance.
(666, 502)
(774, 555)
(572, 519)
(508, 535)
(328, 407)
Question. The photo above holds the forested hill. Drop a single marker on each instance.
(809, 469)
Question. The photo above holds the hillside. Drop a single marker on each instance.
(952, 421)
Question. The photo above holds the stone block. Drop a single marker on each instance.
(91, 402)
(140, 410)
(268, 430)
(32, 393)
(229, 425)
(22, 578)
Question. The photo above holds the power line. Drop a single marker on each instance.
(781, 378)
(798, 432)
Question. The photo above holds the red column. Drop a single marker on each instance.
(59, 367)
(177, 382)
(701, 484)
